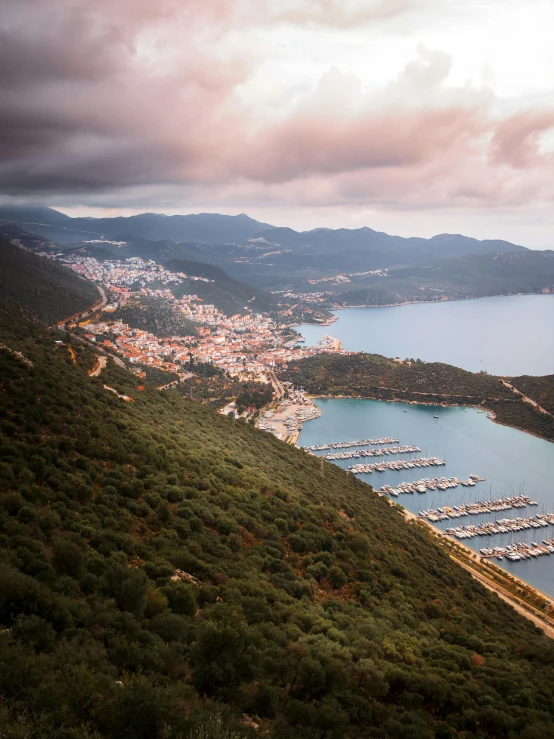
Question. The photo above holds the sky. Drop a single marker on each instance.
(414, 117)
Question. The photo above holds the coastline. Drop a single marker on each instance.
(442, 300)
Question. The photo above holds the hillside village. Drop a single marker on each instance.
(248, 346)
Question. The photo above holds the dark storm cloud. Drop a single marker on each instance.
(113, 94)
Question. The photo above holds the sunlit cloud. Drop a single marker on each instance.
(271, 107)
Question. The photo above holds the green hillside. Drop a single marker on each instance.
(228, 295)
(155, 316)
(167, 572)
(50, 291)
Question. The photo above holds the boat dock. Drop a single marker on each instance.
(478, 508)
(349, 444)
(502, 526)
(397, 464)
(520, 550)
(381, 452)
(438, 483)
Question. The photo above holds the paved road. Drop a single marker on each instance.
(524, 610)
(277, 386)
(524, 397)
(85, 313)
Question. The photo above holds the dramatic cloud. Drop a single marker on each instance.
(233, 102)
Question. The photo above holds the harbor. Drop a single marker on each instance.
(517, 467)
(502, 526)
(478, 508)
(381, 452)
(349, 444)
(400, 464)
(519, 551)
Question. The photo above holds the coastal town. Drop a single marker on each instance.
(248, 346)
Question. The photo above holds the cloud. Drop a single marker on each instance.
(121, 97)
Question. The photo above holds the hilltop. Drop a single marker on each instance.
(169, 572)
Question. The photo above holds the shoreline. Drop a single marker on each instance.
(442, 300)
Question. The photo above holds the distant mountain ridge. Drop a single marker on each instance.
(214, 228)
(365, 248)
(201, 227)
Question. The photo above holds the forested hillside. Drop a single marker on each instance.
(228, 295)
(155, 316)
(50, 291)
(365, 374)
(168, 572)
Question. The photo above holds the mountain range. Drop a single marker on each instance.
(337, 245)
(282, 259)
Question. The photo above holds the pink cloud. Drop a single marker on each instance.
(147, 95)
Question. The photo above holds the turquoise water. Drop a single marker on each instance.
(511, 461)
(505, 335)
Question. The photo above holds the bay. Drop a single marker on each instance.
(512, 462)
(507, 335)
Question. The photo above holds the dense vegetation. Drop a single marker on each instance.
(470, 276)
(540, 389)
(227, 294)
(51, 291)
(155, 316)
(523, 416)
(216, 388)
(165, 571)
(374, 376)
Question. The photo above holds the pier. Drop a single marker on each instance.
(520, 550)
(478, 508)
(421, 486)
(371, 452)
(502, 526)
(349, 444)
(398, 464)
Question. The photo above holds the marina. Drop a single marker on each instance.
(477, 509)
(503, 526)
(422, 486)
(520, 550)
(514, 464)
(372, 452)
(348, 444)
(402, 464)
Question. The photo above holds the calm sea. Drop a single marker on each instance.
(511, 461)
(504, 335)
